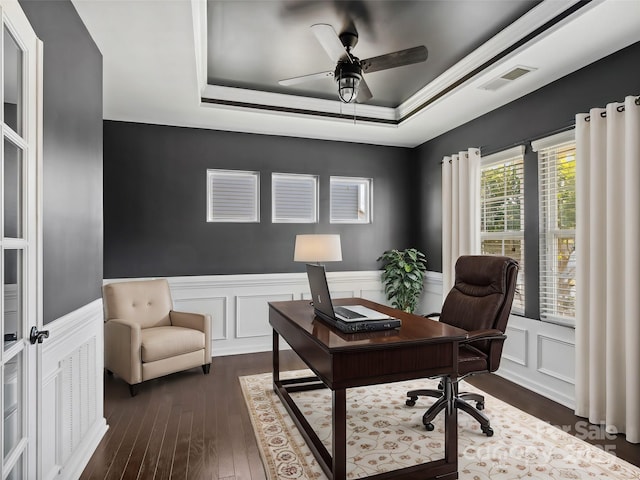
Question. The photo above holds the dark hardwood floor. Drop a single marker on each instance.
(194, 426)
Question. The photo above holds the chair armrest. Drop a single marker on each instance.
(429, 315)
(487, 334)
(122, 356)
(196, 321)
(494, 340)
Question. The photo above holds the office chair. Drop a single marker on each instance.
(480, 303)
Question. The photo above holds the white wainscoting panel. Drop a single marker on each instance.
(549, 369)
(73, 422)
(552, 358)
(376, 295)
(252, 314)
(431, 299)
(516, 347)
(215, 306)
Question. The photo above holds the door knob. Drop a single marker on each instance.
(37, 336)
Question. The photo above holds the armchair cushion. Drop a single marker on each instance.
(164, 342)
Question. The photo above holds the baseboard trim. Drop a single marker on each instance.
(536, 387)
(76, 465)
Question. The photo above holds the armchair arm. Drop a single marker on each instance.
(196, 321)
(122, 354)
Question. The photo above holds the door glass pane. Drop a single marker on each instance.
(12, 403)
(13, 288)
(16, 473)
(13, 159)
(12, 83)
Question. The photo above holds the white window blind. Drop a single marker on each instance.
(350, 200)
(502, 211)
(294, 198)
(233, 196)
(557, 195)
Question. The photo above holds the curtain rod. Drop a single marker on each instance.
(619, 108)
(564, 128)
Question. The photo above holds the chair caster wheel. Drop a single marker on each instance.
(429, 426)
(480, 406)
(488, 431)
(411, 401)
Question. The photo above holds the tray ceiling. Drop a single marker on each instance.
(253, 44)
(216, 64)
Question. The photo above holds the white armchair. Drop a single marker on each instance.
(145, 338)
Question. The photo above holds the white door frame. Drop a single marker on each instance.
(23, 460)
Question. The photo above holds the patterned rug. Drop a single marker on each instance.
(384, 434)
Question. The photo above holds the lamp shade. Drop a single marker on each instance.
(317, 248)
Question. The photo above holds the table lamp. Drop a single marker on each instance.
(317, 248)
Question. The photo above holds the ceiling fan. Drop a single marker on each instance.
(349, 68)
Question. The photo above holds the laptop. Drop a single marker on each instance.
(350, 318)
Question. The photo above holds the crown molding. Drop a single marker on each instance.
(242, 98)
(535, 19)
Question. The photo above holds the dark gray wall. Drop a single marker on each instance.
(155, 201)
(544, 111)
(72, 161)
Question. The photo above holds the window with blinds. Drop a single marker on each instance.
(557, 196)
(294, 198)
(233, 196)
(350, 200)
(502, 211)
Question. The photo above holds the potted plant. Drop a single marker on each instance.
(403, 277)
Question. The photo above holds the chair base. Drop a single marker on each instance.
(460, 402)
(206, 368)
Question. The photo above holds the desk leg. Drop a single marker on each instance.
(276, 357)
(339, 434)
(450, 424)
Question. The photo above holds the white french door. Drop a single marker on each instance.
(20, 66)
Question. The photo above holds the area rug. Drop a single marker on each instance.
(384, 434)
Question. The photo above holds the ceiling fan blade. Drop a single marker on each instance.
(364, 93)
(330, 41)
(395, 59)
(304, 78)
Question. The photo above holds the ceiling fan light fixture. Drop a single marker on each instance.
(352, 86)
(348, 88)
(348, 77)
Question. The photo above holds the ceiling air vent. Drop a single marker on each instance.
(506, 78)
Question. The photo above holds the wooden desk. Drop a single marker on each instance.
(420, 348)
